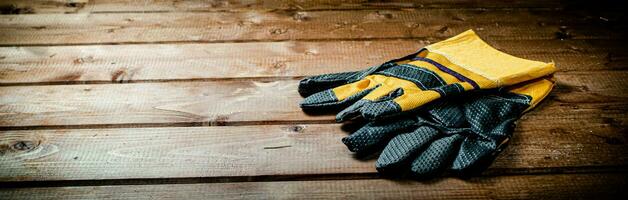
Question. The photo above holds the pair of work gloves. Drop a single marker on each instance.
(450, 106)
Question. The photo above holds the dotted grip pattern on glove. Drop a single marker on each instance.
(462, 134)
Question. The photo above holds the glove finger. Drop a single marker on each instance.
(471, 152)
(379, 94)
(449, 113)
(409, 100)
(436, 157)
(381, 102)
(374, 135)
(339, 96)
(351, 111)
(314, 84)
(380, 109)
(403, 147)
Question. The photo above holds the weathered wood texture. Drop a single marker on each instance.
(55, 29)
(139, 99)
(566, 186)
(278, 150)
(96, 6)
(138, 63)
(234, 101)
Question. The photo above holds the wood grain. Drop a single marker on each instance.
(573, 186)
(115, 28)
(211, 109)
(160, 62)
(541, 144)
(93, 6)
(221, 102)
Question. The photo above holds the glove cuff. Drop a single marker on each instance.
(472, 58)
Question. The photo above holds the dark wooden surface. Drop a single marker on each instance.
(197, 99)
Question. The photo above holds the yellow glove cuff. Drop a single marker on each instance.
(471, 57)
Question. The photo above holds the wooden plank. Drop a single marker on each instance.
(218, 102)
(561, 186)
(215, 102)
(550, 140)
(581, 124)
(58, 29)
(156, 62)
(82, 6)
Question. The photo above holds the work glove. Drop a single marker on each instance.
(463, 134)
(453, 66)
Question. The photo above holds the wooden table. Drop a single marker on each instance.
(197, 99)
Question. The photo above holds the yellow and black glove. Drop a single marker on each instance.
(453, 66)
(462, 134)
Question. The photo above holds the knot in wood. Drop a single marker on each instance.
(23, 145)
(278, 31)
(300, 16)
(297, 129)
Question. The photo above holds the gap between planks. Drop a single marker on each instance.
(580, 186)
(493, 173)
